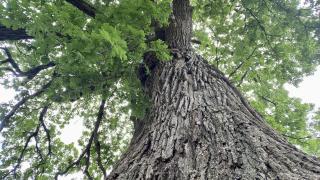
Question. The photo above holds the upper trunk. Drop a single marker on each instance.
(200, 127)
(178, 34)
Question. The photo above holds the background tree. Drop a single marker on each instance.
(106, 61)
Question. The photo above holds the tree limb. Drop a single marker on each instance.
(10, 34)
(84, 7)
(41, 119)
(240, 65)
(242, 78)
(87, 149)
(30, 74)
(6, 118)
(32, 135)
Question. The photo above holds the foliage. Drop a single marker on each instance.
(259, 45)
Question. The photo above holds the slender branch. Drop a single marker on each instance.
(297, 138)
(86, 170)
(268, 100)
(87, 149)
(41, 119)
(241, 64)
(32, 135)
(6, 118)
(10, 70)
(242, 78)
(11, 61)
(38, 150)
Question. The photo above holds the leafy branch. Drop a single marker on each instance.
(7, 117)
(86, 152)
(30, 74)
(35, 136)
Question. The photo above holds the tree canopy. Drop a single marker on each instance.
(79, 59)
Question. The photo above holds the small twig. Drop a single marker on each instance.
(242, 78)
(241, 64)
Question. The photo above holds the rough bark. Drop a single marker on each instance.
(200, 127)
(178, 34)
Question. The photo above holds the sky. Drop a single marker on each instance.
(308, 90)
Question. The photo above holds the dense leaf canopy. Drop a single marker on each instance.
(79, 59)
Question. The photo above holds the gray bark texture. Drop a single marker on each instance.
(200, 127)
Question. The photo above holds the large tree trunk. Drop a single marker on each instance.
(200, 127)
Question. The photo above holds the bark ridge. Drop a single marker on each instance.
(200, 127)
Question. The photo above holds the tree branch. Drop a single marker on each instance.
(20, 34)
(6, 118)
(87, 149)
(32, 135)
(84, 7)
(30, 74)
(41, 119)
(10, 34)
(242, 78)
(240, 65)
(99, 161)
(268, 100)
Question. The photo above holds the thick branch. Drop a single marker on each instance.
(179, 32)
(30, 74)
(84, 7)
(10, 34)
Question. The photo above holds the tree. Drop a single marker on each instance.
(140, 58)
